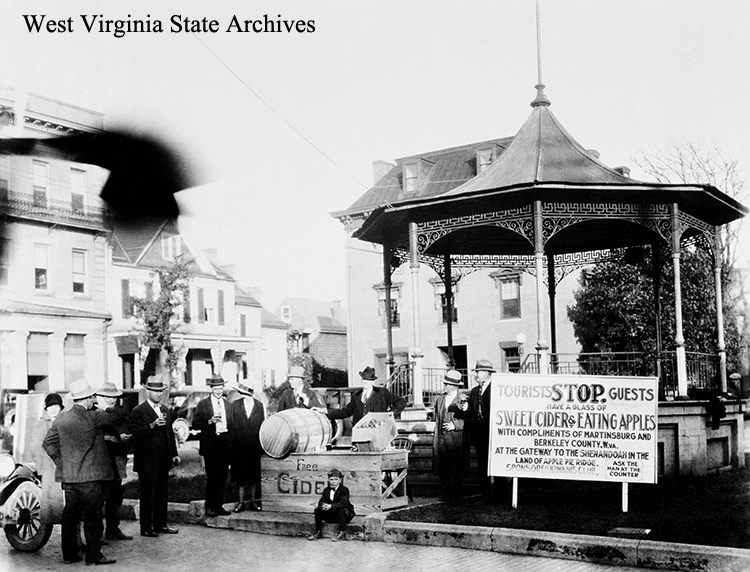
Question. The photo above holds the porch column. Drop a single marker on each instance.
(656, 278)
(417, 354)
(387, 255)
(541, 343)
(720, 311)
(679, 339)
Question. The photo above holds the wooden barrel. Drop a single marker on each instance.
(295, 431)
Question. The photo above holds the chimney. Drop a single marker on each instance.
(336, 310)
(379, 169)
(623, 170)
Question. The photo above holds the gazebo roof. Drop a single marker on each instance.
(544, 163)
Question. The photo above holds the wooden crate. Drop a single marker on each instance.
(376, 480)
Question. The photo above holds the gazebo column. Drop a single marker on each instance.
(387, 255)
(551, 288)
(720, 311)
(416, 352)
(541, 343)
(449, 306)
(656, 278)
(679, 339)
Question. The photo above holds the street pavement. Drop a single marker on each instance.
(197, 547)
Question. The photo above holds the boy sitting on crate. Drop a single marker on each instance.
(333, 506)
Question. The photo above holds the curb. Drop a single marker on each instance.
(375, 528)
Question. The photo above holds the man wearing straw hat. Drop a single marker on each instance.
(213, 419)
(155, 453)
(448, 459)
(75, 442)
(476, 414)
(299, 394)
(117, 448)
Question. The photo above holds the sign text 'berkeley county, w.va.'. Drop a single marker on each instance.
(578, 427)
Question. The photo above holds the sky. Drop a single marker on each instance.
(281, 129)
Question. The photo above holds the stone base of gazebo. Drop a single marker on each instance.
(694, 441)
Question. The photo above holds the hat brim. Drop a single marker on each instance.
(452, 382)
(245, 390)
(161, 387)
(85, 395)
(107, 394)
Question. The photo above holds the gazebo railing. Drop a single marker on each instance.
(702, 369)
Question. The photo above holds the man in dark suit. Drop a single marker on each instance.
(334, 506)
(75, 442)
(155, 454)
(298, 393)
(372, 398)
(212, 418)
(476, 415)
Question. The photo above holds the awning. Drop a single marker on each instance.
(127, 345)
(199, 344)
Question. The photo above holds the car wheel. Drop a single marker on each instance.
(29, 533)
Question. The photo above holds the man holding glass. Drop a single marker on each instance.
(212, 421)
(155, 453)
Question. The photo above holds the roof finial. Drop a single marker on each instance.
(540, 99)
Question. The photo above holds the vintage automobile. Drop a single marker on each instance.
(21, 507)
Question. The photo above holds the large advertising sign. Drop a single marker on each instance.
(578, 427)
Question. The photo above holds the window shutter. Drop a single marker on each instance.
(201, 307)
(127, 307)
(186, 305)
(220, 302)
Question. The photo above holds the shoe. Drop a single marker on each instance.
(317, 536)
(168, 530)
(117, 535)
(221, 511)
(101, 561)
(73, 560)
(211, 513)
(339, 536)
(239, 507)
(149, 533)
(254, 506)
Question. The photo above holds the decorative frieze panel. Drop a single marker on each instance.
(515, 220)
(558, 216)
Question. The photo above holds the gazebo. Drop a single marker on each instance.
(547, 206)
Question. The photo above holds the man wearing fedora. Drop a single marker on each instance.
(475, 412)
(214, 421)
(299, 393)
(448, 459)
(75, 442)
(374, 397)
(117, 448)
(155, 453)
(248, 415)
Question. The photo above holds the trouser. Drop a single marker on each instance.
(340, 515)
(217, 469)
(83, 503)
(112, 504)
(153, 499)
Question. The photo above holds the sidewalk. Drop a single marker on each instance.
(375, 527)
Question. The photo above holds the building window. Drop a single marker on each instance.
(508, 284)
(186, 305)
(41, 265)
(37, 361)
(171, 246)
(77, 190)
(4, 261)
(411, 177)
(511, 359)
(286, 314)
(127, 301)
(243, 325)
(395, 314)
(79, 271)
(75, 358)
(41, 183)
(220, 306)
(484, 159)
(444, 309)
